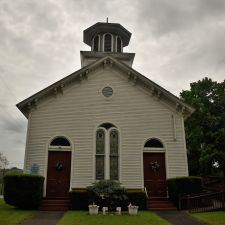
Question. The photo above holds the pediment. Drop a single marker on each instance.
(133, 77)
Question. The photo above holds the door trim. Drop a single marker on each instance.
(47, 149)
(52, 152)
(165, 163)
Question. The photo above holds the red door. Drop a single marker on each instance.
(58, 176)
(155, 174)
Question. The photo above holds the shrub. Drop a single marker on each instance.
(107, 193)
(79, 199)
(1, 189)
(136, 197)
(180, 186)
(23, 190)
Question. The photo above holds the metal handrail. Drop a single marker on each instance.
(203, 202)
(146, 193)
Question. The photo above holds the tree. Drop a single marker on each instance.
(205, 128)
(3, 163)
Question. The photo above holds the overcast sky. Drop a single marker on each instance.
(176, 42)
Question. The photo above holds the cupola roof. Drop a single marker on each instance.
(114, 28)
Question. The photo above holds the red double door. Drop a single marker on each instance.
(58, 175)
(155, 174)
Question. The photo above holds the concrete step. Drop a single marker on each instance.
(163, 209)
(55, 205)
(160, 204)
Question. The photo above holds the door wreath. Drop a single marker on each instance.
(154, 166)
(59, 166)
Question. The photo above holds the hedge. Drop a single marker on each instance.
(137, 197)
(180, 186)
(23, 191)
(1, 189)
(81, 198)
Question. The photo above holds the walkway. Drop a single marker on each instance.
(44, 218)
(178, 218)
(51, 218)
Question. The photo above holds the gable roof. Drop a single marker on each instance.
(79, 75)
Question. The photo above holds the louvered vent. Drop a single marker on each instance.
(108, 43)
(107, 92)
(96, 42)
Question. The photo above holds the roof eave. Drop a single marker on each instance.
(22, 105)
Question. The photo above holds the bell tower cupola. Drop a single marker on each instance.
(106, 39)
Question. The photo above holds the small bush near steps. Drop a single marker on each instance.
(180, 186)
(23, 191)
(107, 193)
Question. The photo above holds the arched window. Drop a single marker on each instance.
(100, 154)
(96, 44)
(107, 125)
(114, 155)
(107, 152)
(118, 44)
(107, 42)
(60, 141)
(153, 143)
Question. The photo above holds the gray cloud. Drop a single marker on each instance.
(164, 16)
(176, 42)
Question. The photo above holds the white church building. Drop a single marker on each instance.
(105, 121)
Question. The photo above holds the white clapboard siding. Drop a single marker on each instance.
(81, 109)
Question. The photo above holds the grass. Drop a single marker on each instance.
(83, 218)
(11, 216)
(211, 218)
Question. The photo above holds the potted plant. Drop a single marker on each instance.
(93, 209)
(132, 209)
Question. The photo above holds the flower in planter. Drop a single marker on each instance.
(105, 210)
(118, 210)
(93, 205)
(132, 209)
(93, 209)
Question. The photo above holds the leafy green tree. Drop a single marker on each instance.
(205, 128)
(3, 163)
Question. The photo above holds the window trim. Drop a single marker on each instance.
(154, 149)
(118, 154)
(104, 42)
(92, 45)
(153, 138)
(107, 152)
(121, 44)
(59, 146)
(100, 154)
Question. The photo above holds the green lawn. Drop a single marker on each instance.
(83, 218)
(11, 216)
(212, 218)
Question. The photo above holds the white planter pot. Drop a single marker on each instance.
(105, 210)
(93, 210)
(133, 210)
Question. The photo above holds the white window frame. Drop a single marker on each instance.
(107, 153)
(92, 45)
(104, 42)
(121, 43)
